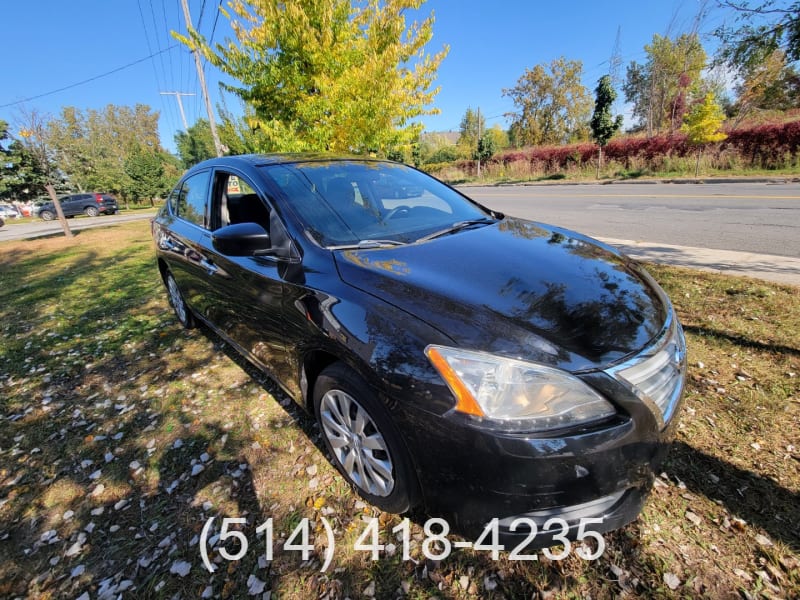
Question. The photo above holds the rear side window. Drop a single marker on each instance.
(191, 200)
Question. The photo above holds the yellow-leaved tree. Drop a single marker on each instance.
(329, 75)
(702, 125)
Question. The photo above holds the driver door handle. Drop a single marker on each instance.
(210, 267)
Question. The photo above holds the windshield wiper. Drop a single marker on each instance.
(455, 227)
(368, 244)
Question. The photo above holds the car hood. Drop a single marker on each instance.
(520, 289)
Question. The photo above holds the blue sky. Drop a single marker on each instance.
(54, 44)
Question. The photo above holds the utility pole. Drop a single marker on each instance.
(180, 105)
(201, 76)
(479, 142)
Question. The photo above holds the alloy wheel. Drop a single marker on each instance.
(176, 300)
(357, 443)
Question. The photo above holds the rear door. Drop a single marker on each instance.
(179, 234)
(79, 202)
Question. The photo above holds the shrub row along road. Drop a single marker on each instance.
(760, 218)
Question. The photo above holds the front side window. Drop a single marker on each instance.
(191, 201)
(236, 201)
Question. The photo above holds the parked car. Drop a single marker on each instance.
(9, 211)
(91, 204)
(468, 362)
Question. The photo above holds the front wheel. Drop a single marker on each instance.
(364, 442)
(46, 215)
(182, 311)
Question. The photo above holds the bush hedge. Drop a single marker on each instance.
(764, 146)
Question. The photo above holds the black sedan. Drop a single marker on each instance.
(475, 365)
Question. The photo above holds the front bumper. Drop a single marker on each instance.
(605, 472)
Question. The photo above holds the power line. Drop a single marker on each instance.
(95, 78)
(147, 40)
(214, 28)
(202, 10)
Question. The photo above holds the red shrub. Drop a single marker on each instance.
(760, 145)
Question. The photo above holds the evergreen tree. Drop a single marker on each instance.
(603, 125)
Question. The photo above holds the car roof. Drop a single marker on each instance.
(258, 160)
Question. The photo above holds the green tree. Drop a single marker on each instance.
(470, 130)
(658, 88)
(553, 107)
(237, 134)
(195, 144)
(338, 75)
(486, 148)
(11, 180)
(769, 85)
(90, 147)
(603, 125)
(499, 137)
(435, 148)
(702, 125)
(761, 28)
(144, 170)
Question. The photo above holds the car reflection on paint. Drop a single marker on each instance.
(458, 360)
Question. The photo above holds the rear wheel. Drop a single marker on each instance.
(91, 211)
(364, 442)
(46, 215)
(182, 311)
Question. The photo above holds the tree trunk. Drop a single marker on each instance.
(599, 160)
(62, 219)
(697, 166)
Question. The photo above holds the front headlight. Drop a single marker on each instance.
(515, 393)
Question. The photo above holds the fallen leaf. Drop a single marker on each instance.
(672, 581)
(180, 568)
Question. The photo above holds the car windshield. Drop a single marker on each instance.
(371, 203)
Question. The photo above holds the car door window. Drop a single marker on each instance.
(191, 202)
(236, 201)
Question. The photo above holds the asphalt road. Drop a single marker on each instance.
(735, 228)
(21, 231)
(761, 218)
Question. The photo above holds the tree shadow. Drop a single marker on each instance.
(741, 341)
(757, 500)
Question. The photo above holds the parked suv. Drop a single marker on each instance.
(91, 204)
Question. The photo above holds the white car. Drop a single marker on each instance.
(9, 211)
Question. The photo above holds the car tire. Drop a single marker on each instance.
(91, 211)
(362, 440)
(182, 311)
(46, 215)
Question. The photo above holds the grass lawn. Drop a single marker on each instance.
(121, 434)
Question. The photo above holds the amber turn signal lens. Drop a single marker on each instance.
(465, 401)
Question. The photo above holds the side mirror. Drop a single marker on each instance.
(241, 239)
